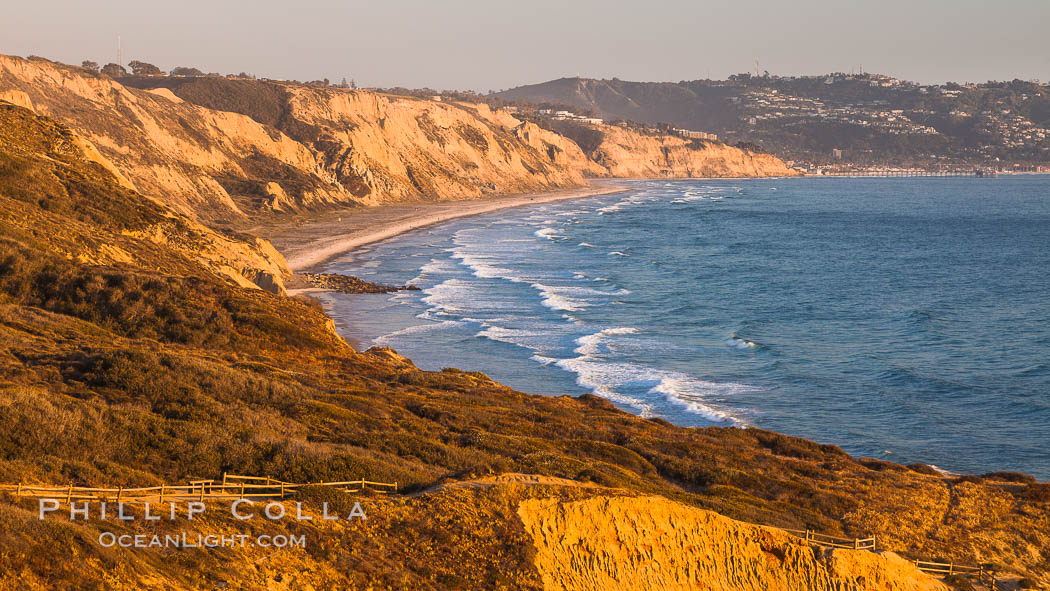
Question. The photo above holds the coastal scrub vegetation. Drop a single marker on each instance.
(140, 366)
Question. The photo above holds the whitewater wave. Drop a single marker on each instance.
(609, 379)
(619, 254)
(558, 298)
(451, 295)
(512, 336)
(603, 378)
(386, 339)
(589, 345)
(548, 233)
(434, 267)
(636, 199)
(482, 267)
(570, 298)
(691, 394)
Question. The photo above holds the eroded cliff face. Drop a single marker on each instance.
(291, 147)
(176, 153)
(614, 543)
(228, 151)
(76, 178)
(392, 148)
(628, 153)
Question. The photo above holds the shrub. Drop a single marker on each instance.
(923, 469)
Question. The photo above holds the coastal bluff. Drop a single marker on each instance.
(233, 151)
(622, 543)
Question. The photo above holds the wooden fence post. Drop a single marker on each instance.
(202, 493)
(162, 493)
(18, 491)
(69, 494)
(856, 543)
(282, 489)
(242, 490)
(120, 490)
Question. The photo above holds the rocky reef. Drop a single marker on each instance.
(349, 283)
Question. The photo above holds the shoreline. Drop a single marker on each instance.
(390, 221)
(310, 244)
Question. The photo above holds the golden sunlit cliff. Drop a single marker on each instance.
(229, 150)
(349, 147)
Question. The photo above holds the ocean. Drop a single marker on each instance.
(906, 319)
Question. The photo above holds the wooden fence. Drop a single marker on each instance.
(834, 542)
(233, 486)
(983, 573)
(230, 487)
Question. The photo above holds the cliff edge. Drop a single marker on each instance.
(626, 543)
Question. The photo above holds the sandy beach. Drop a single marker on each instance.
(313, 241)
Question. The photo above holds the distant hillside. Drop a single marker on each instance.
(870, 119)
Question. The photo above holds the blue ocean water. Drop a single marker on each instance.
(906, 319)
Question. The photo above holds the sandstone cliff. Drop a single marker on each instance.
(290, 147)
(614, 543)
(628, 153)
(227, 151)
(79, 179)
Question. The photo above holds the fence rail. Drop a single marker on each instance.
(983, 573)
(235, 486)
(834, 541)
(232, 486)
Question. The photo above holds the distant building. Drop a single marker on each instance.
(696, 135)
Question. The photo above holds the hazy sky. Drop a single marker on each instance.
(482, 45)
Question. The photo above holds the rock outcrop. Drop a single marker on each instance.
(614, 543)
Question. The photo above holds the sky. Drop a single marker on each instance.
(496, 44)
